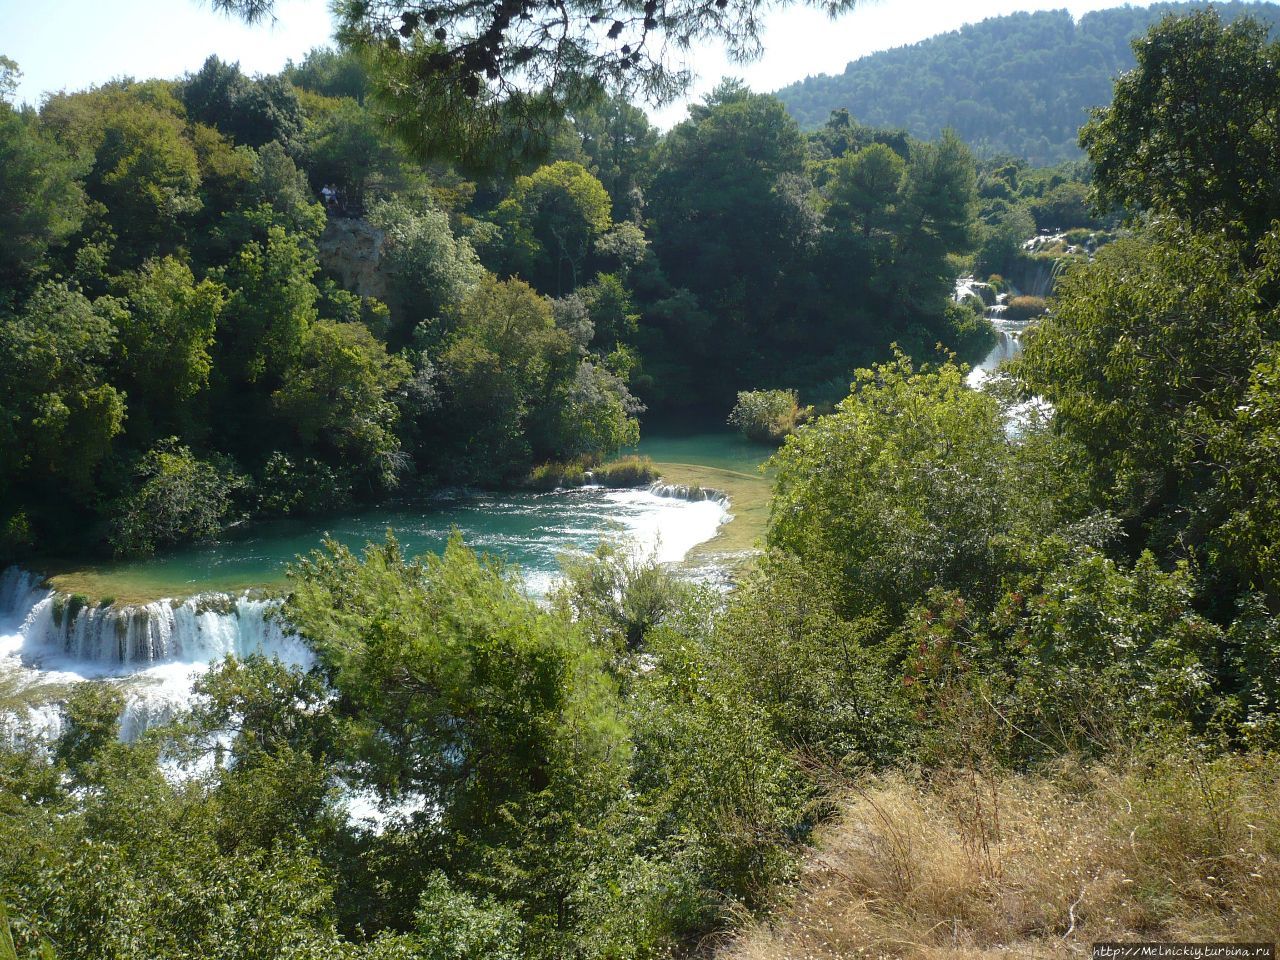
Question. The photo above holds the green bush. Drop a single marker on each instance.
(768, 416)
(552, 475)
(632, 471)
(1020, 309)
(178, 498)
(290, 487)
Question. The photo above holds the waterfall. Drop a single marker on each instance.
(152, 651)
(694, 493)
(126, 639)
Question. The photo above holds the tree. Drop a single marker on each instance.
(166, 340)
(1195, 130)
(429, 269)
(486, 89)
(906, 487)
(556, 216)
(43, 201)
(455, 686)
(733, 223)
(271, 306)
(252, 112)
(58, 413)
(593, 415)
(503, 361)
(144, 169)
(1154, 357)
(177, 498)
(347, 146)
(339, 399)
(863, 191)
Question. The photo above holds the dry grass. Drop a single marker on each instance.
(968, 866)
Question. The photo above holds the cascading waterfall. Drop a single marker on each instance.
(694, 494)
(152, 651)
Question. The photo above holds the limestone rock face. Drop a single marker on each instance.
(352, 250)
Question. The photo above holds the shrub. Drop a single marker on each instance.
(291, 488)
(178, 498)
(768, 416)
(553, 475)
(1025, 308)
(629, 471)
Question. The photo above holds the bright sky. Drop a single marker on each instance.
(71, 44)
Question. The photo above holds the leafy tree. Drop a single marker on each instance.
(44, 204)
(557, 215)
(271, 307)
(906, 487)
(177, 498)
(431, 270)
(60, 413)
(456, 687)
(166, 340)
(330, 73)
(594, 415)
(501, 364)
(1150, 349)
(616, 141)
(1193, 131)
(339, 399)
(348, 146)
(253, 112)
(734, 222)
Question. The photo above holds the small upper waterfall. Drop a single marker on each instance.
(1008, 332)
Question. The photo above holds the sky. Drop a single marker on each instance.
(72, 44)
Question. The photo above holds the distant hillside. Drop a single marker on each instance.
(1021, 84)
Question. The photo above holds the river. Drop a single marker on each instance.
(169, 616)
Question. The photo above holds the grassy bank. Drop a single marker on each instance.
(1018, 866)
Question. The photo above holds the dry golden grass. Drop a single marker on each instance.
(967, 866)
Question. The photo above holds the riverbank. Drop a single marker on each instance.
(529, 529)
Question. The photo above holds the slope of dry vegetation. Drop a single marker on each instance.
(1004, 866)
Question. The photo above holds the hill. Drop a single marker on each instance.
(1020, 84)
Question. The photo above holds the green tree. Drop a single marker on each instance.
(44, 204)
(60, 414)
(430, 269)
(272, 305)
(1151, 349)
(456, 688)
(558, 214)
(165, 344)
(911, 484)
(338, 399)
(1193, 130)
(503, 361)
(177, 497)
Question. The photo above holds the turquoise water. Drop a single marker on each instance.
(530, 530)
(721, 450)
(527, 529)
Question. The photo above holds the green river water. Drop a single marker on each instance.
(530, 530)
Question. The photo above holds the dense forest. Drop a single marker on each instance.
(176, 356)
(1020, 84)
(1010, 657)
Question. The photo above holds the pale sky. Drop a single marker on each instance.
(71, 44)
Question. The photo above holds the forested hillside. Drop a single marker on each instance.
(1020, 84)
(228, 297)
